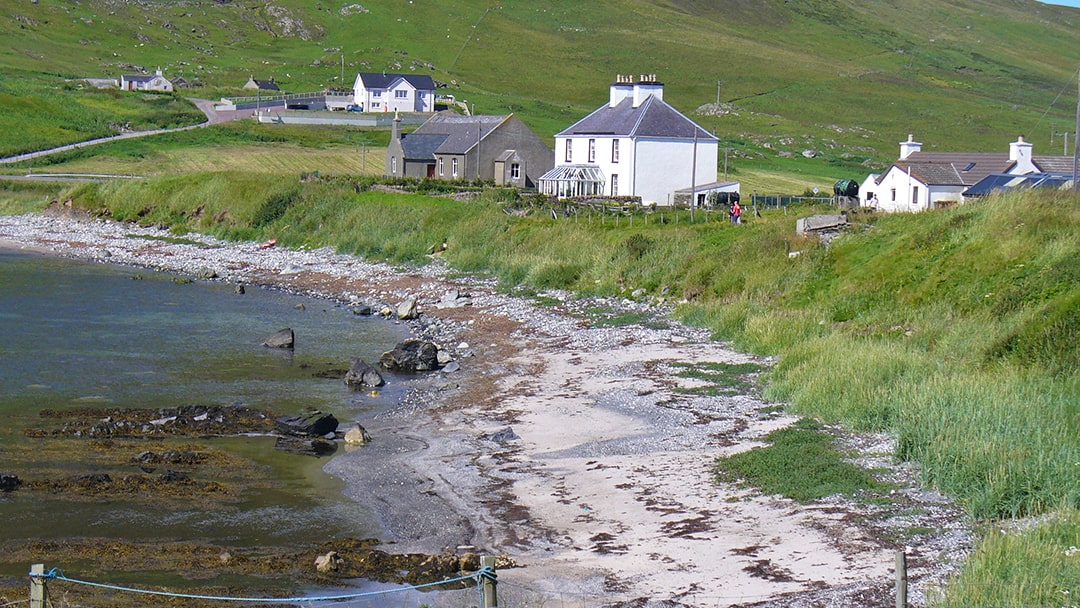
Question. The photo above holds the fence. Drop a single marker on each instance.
(486, 594)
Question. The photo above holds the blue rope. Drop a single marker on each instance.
(58, 574)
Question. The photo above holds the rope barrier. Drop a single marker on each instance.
(58, 574)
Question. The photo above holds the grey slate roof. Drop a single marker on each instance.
(460, 133)
(1054, 164)
(954, 168)
(421, 146)
(652, 118)
(378, 80)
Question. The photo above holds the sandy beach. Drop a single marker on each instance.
(570, 449)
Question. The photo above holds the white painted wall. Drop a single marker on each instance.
(664, 166)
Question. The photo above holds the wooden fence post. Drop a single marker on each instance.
(901, 579)
(488, 586)
(38, 594)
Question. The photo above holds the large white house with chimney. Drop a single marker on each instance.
(381, 92)
(920, 180)
(634, 145)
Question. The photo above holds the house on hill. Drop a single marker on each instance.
(634, 145)
(381, 92)
(920, 180)
(451, 146)
(261, 85)
(146, 82)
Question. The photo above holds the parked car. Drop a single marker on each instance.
(352, 107)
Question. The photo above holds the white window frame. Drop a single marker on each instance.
(614, 150)
(614, 184)
(592, 150)
(515, 171)
(453, 167)
(393, 165)
(401, 94)
(442, 166)
(569, 150)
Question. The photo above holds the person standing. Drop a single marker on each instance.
(736, 213)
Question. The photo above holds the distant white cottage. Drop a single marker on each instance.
(146, 82)
(381, 92)
(919, 180)
(634, 145)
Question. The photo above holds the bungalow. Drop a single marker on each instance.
(145, 82)
(927, 180)
(261, 85)
(381, 92)
(451, 146)
(634, 145)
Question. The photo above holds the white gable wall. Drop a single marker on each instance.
(663, 166)
(900, 192)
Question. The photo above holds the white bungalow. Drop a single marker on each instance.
(145, 82)
(634, 145)
(927, 180)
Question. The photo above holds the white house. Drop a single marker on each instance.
(634, 145)
(927, 180)
(145, 82)
(380, 92)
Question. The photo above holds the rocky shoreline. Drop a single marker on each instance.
(572, 448)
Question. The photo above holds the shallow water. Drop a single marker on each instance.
(78, 334)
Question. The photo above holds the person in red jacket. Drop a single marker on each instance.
(736, 212)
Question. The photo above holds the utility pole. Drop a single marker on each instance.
(343, 69)
(718, 93)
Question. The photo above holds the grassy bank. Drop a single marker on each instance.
(953, 330)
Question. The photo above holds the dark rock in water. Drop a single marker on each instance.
(90, 480)
(331, 374)
(8, 482)
(504, 436)
(361, 374)
(363, 310)
(306, 446)
(240, 290)
(411, 356)
(312, 423)
(283, 338)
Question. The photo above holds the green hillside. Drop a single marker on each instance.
(844, 79)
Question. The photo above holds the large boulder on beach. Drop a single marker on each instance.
(8, 482)
(361, 374)
(311, 423)
(328, 562)
(357, 435)
(412, 355)
(282, 338)
(408, 310)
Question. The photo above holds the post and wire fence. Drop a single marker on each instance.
(485, 595)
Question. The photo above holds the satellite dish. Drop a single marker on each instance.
(815, 190)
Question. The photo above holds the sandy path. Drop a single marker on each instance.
(571, 451)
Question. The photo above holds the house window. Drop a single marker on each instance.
(592, 150)
(453, 167)
(569, 156)
(894, 195)
(401, 94)
(515, 171)
(614, 150)
(915, 195)
(393, 165)
(376, 93)
(442, 167)
(614, 185)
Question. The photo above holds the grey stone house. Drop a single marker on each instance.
(451, 146)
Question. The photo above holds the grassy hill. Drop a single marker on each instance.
(844, 79)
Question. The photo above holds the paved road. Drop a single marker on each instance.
(205, 105)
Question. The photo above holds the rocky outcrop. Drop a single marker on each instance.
(361, 374)
(412, 355)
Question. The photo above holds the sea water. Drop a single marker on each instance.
(78, 334)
